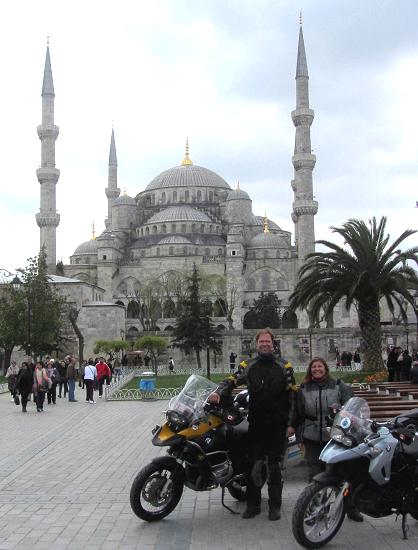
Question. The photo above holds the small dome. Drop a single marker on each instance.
(238, 195)
(259, 220)
(174, 239)
(89, 247)
(187, 175)
(268, 240)
(179, 214)
(124, 200)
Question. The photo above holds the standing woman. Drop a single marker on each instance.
(24, 384)
(11, 376)
(317, 393)
(41, 385)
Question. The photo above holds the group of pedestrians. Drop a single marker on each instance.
(399, 364)
(348, 359)
(54, 378)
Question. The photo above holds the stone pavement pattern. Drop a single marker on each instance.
(65, 477)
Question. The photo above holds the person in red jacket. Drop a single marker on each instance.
(103, 371)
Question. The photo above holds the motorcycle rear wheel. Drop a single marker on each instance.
(156, 491)
(317, 517)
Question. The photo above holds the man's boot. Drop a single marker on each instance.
(24, 408)
(251, 511)
(274, 513)
(354, 515)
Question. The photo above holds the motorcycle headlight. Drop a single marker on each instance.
(338, 435)
(176, 421)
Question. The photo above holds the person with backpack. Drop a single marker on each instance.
(317, 393)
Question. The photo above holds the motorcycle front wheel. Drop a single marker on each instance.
(318, 515)
(156, 490)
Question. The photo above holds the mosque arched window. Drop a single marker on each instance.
(211, 229)
(153, 199)
(142, 232)
(174, 196)
(202, 227)
(265, 280)
(217, 229)
(173, 228)
(219, 251)
(183, 228)
(171, 251)
(163, 228)
(196, 251)
(133, 310)
(193, 228)
(147, 231)
(184, 250)
(199, 195)
(187, 196)
(207, 251)
(158, 251)
(154, 229)
(148, 201)
(163, 198)
(265, 254)
(210, 196)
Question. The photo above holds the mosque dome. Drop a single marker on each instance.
(259, 220)
(174, 239)
(187, 175)
(179, 214)
(124, 200)
(268, 240)
(238, 195)
(89, 247)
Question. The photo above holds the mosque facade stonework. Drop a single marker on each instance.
(190, 215)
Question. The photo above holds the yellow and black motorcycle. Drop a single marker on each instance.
(207, 448)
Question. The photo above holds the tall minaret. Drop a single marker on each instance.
(48, 219)
(304, 207)
(112, 191)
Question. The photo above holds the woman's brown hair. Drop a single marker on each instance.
(308, 376)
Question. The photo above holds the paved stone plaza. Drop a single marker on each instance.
(65, 477)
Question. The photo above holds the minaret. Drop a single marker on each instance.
(48, 219)
(304, 207)
(112, 190)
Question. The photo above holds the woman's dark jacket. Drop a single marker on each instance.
(313, 402)
(24, 380)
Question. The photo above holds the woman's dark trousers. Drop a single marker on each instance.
(52, 394)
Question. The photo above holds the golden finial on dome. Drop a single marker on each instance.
(186, 161)
(238, 186)
(93, 234)
(266, 224)
(300, 18)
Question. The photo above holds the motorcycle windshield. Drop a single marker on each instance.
(354, 420)
(191, 400)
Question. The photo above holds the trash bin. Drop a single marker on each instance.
(147, 381)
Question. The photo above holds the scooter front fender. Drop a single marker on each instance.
(334, 452)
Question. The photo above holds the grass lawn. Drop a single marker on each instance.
(178, 380)
(3, 379)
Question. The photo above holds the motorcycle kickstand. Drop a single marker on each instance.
(223, 503)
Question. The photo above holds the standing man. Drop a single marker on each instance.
(232, 358)
(171, 365)
(271, 415)
(71, 378)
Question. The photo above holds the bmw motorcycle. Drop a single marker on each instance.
(206, 448)
(375, 465)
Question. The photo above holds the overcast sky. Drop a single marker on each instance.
(222, 73)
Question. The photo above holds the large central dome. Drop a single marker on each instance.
(187, 175)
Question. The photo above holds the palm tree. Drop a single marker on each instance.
(362, 276)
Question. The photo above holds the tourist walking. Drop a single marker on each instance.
(11, 376)
(406, 366)
(90, 375)
(63, 388)
(24, 384)
(71, 378)
(41, 385)
(53, 374)
(81, 374)
(317, 393)
(171, 365)
(103, 373)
